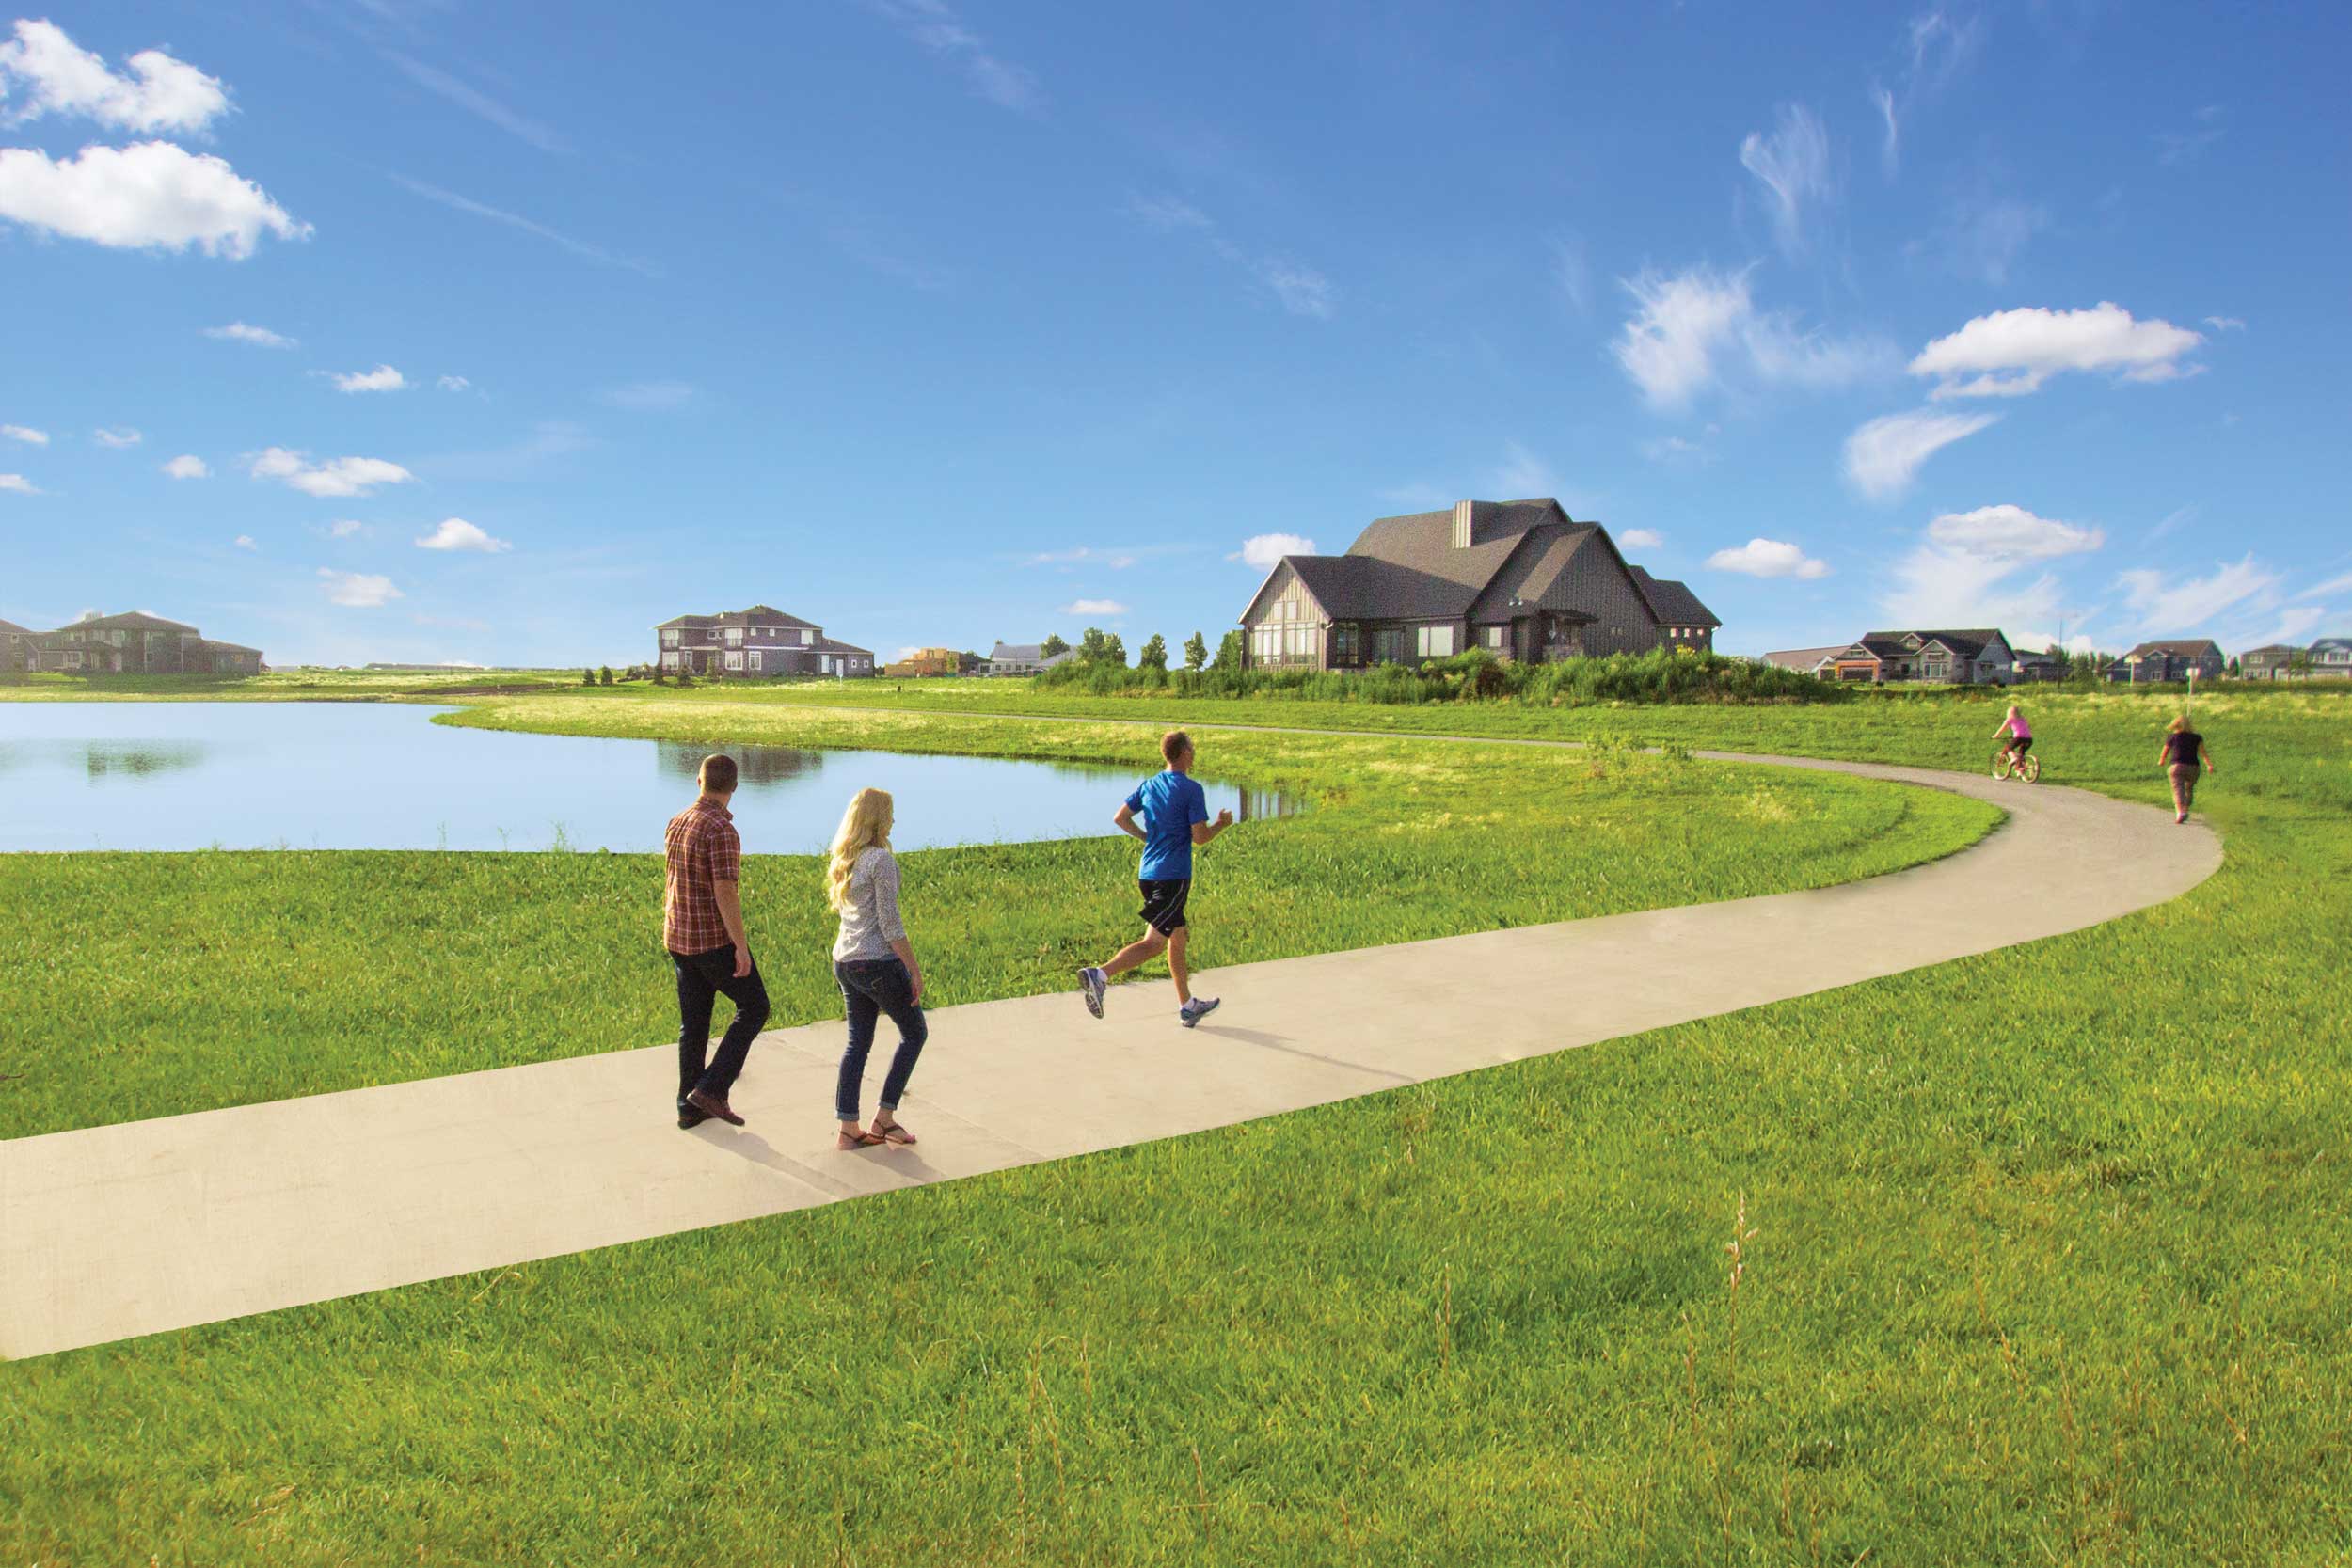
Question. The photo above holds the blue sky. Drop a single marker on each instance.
(410, 329)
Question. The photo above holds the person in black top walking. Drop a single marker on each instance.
(2183, 749)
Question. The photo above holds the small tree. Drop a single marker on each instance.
(685, 677)
(1229, 651)
(1052, 645)
(1195, 652)
(1155, 654)
(587, 678)
(1097, 646)
(604, 675)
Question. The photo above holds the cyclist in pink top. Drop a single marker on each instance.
(2020, 733)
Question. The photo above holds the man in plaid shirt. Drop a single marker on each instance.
(702, 925)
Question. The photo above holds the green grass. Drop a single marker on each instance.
(296, 684)
(224, 979)
(2041, 1262)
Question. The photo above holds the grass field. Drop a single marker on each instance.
(2038, 1260)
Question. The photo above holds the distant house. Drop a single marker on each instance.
(2332, 656)
(2169, 662)
(2046, 665)
(2274, 661)
(1977, 656)
(758, 643)
(1809, 661)
(926, 662)
(1023, 658)
(134, 645)
(16, 646)
(1520, 578)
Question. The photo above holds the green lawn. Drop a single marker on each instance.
(2041, 1262)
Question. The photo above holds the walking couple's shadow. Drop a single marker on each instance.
(897, 1158)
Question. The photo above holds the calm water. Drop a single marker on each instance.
(373, 776)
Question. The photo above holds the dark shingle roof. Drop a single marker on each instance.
(1966, 644)
(830, 645)
(1673, 602)
(212, 647)
(7, 627)
(676, 622)
(2332, 645)
(2198, 647)
(136, 620)
(762, 615)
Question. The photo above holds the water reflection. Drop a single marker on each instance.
(139, 759)
(753, 765)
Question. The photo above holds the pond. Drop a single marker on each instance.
(382, 776)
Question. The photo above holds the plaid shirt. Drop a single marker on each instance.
(703, 850)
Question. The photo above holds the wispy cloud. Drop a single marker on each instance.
(2167, 605)
(334, 477)
(242, 332)
(1966, 570)
(384, 378)
(25, 433)
(1982, 236)
(1936, 46)
(18, 484)
(187, 466)
(245, 542)
(357, 590)
(1791, 162)
(1110, 609)
(1572, 270)
(1298, 287)
(513, 220)
(938, 29)
(452, 384)
(2011, 353)
(119, 438)
(2334, 585)
(2225, 323)
(1082, 555)
(528, 458)
(474, 100)
(2175, 148)
(1883, 456)
(1769, 557)
(1696, 330)
(648, 396)
(1677, 449)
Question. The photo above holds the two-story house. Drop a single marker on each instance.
(1976, 657)
(2273, 661)
(2169, 662)
(16, 646)
(2332, 656)
(1520, 578)
(136, 644)
(1023, 658)
(757, 643)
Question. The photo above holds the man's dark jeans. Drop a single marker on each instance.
(869, 987)
(701, 977)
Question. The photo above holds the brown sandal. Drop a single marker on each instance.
(895, 1133)
(849, 1138)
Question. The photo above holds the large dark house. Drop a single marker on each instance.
(1520, 578)
(757, 643)
(2169, 662)
(133, 645)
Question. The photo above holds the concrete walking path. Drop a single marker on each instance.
(143, 1227)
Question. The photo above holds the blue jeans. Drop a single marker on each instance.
(702, 978)
(869, 987)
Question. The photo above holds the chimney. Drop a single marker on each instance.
(1462, 525)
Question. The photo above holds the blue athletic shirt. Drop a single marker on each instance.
(1170, 803)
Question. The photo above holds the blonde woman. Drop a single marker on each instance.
(2183, 749)
(875, 965)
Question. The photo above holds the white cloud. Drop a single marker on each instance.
(187, 466)
(935, 25)
(381, 379)
(159, 94)
(1884, 455)
(2334, 585)
(650, 396)
(242, 332)
(1303, 291)
(2294, 626)
(1768, 558)
(1677, 449)
(452, 384)
(1263, 550)
(343, 528)
(1792, 162)
(1890, 147)
(245, 542)
(147, 195)
(1107, 608)
(456, 533)
(19, 483)
(2225, 323)
(118, 439)
(1642, 539)
(2010, 353)
(360, 589)
(336, 475)
(25, 433)
(1696, 330)
(1965, 570)
(2172, 606)
(1088, 554)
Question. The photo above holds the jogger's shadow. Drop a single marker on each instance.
(1264, 1041)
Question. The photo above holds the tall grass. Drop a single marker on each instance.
(1662, 676)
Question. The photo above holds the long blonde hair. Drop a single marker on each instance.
(864, 825)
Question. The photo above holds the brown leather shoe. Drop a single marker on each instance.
(711, 1105)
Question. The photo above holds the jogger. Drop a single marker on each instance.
(1175, 813)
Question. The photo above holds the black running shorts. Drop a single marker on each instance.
(1164, 904)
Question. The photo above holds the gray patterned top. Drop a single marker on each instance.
(870, 919)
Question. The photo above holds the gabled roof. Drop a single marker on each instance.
(761, 615)
(830, 645)
(11, 628)
(2199, 647)
(2271, 650)
(1966, 644)
(678, 622)
(1673, 602)
(212, 647)
(1019, 652)
(136, 620)
(1805, 658)
(2332, 645)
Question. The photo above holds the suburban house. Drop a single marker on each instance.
(2043, 666)
(754, 644)
(2330, 656)
(1980, 656)
(1023, 658)
(2275, 661)
(133, 645)
(16, 646)
(2169, 662)
(1521, 578)
(926, 661)
(1808, 662)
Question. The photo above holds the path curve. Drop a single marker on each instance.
(114, 1231)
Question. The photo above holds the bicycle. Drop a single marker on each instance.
(2007, 763)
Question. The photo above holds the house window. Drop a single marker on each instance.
(1434, 642)
(755, 660)
(1388, 645)
(1496, 637)
(669, 640)
(735, 637)
(735, 661)
(1347, 644)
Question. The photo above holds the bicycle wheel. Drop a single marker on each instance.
(2000, 765)
(2030, 770)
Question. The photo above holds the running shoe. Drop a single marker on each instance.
(1092, 983)
(1195, 1010)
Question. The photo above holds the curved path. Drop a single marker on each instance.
(122, 1230)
